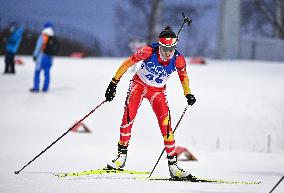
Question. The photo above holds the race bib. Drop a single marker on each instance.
(155, 74)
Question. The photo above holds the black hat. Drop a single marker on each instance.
(167, 33)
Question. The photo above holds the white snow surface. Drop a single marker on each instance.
(239, 104)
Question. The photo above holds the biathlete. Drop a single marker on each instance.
(160, 60)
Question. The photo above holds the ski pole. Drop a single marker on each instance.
(277, 184)
(173, 132)
(17, 172)
(185, 20)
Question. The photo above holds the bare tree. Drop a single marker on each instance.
(147, 12)
(155, 20)
(137, 19)
(263, 17)
(145, 19)
(280, 18)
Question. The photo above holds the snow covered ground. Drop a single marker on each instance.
(239, 105)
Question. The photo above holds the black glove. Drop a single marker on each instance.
(190, 99)
(111, 90)
(34, 58)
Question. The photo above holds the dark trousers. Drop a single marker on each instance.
(9, 63)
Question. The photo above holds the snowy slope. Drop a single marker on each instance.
(238, 102)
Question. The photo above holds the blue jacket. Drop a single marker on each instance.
(14, 41)
(37, 49)
(42, 60)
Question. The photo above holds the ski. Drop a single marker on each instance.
(201, 180)
(99, 171)
(142, 177)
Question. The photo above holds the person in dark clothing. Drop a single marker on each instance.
(12, 47)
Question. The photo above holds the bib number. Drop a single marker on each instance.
(151, 77)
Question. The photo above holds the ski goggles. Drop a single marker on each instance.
(168, 48)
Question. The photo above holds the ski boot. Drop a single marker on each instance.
(119, 162)
(176, 172)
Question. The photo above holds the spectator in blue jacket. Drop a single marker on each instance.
(12, 46)
(42, 59)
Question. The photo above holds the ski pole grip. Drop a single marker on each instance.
(186, 19)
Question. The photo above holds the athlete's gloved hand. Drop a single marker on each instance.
(111, 90)
(190, 99)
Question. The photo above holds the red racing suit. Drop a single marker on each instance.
(150, 82)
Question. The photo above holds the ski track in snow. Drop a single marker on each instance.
(239, 104)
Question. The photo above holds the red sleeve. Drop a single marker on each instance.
(181, 69)
(142, 54)
(180, 62)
